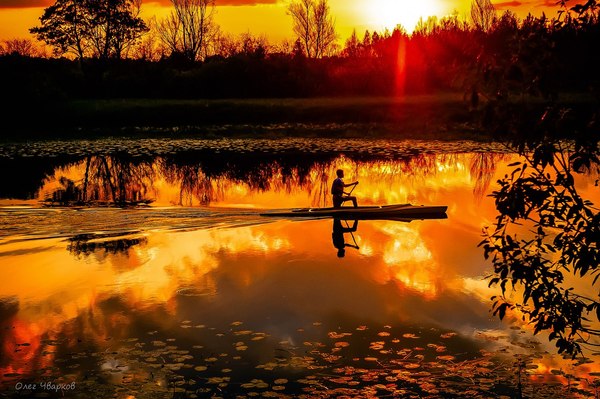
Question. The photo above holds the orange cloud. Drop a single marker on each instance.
(508, 4)
(46, 3)
(25, 3)
(222, 2)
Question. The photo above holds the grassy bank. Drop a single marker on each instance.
(442, 116)
(378, 116)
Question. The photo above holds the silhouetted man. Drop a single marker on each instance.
(338, 236)
(337, 190)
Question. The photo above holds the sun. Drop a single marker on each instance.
(389, 13)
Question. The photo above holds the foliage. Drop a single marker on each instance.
(564, 240)
(102, 29)
(499, 69)
(542, 193)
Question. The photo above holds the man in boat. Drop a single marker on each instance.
(337, 190)
(338, 239)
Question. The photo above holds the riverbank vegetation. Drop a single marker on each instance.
(496, 66)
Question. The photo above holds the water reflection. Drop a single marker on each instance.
(188, 180)
(337, 236)
(133, 305)
(103, 244)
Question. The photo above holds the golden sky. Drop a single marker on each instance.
(269, 17)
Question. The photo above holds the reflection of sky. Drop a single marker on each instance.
(275, 277)
(418, 179)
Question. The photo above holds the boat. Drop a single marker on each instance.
(398, 211)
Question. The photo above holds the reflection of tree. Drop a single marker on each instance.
(192, 182)
(483, 168)
(205, 176)
(88, 244)
(107, 180)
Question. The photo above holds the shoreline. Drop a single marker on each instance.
(444, 116)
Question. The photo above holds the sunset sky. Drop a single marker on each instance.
(269, 17)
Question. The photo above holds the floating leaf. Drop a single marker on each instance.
(334, 335)
(448, 335)
(378, 345)
(200, 368)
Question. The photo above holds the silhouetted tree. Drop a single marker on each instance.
(536, 271)
(64, 26)
(148, 48)
(102, 28)
(22, 47)
(189, 28)
(313, 25)
(116, 26)
(483, 14)
(351, 50)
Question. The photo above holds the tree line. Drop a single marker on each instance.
(115, 53)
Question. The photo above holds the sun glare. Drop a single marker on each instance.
(389, 13)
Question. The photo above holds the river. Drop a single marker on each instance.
(184, 290)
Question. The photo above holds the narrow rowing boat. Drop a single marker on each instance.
(383, 211)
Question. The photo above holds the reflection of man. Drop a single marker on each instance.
(337, 190)
(338, 236)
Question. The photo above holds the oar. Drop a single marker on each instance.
(351, 234)
(353, 187)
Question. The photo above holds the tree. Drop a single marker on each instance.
(483, 14)
(549, 274)
(22, 47)
(324, 29)
(314, 26)
(116, 26)
(101, 28)
(64, 26)
(351, 50)
(189, 28)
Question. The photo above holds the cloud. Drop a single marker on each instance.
(554, 4)
(223, 2)
(25, 3)
(46, 3)
(507, 4)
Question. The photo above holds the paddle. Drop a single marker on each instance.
(352, 234)
(353, 187)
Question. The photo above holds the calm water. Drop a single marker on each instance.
(187, 292)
